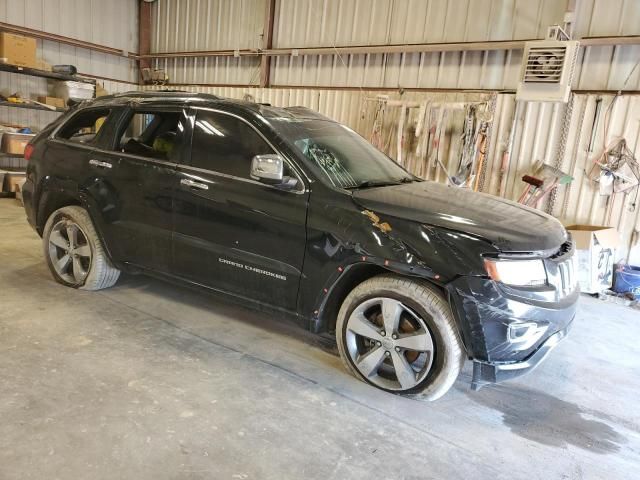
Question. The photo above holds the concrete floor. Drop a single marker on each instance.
(150, 380)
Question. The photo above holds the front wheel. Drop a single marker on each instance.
(74, 252)
(400, 336)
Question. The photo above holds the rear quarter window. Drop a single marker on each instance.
(84, 126)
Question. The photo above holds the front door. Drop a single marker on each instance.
(233, 233)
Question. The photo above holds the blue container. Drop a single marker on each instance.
(626, 279)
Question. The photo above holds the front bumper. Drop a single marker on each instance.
(485, 373)
(489, 313)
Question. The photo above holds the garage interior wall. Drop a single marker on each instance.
(112, 23)
(214, 25)
(346, 86)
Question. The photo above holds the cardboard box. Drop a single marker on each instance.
(18, 49)
(15, 143)
(42, 65)
(53, 101)
(595, 252)
(68, 89)
(13, 181)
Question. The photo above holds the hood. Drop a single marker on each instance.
(509, 226)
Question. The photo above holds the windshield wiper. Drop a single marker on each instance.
(380, 183)
(371, 184)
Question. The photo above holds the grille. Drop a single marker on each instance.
(561, 268)
(565, 248)
(567, 276)
(544, 64)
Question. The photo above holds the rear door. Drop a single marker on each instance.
(134, 177)
(69, 148)
(234, 233)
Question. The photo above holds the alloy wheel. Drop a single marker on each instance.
(69, 251)
(389, 344)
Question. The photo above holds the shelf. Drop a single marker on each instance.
(44, 74)
(30, 106)
(11, 155)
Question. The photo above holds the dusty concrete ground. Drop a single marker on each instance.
(150, 380)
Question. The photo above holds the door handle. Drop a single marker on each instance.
(99, 164)
(191, 184)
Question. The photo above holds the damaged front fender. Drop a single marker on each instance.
(341, 236)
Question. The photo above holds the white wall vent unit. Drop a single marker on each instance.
(547, 71)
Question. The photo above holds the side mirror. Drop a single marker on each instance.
(267, 168)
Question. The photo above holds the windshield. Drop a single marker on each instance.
(340, 155)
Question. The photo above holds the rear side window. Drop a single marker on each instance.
(84, 126)
(225, 144)
(153, 134)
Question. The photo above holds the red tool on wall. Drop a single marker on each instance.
(541, 183)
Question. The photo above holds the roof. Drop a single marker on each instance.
(193, 98)
(175, 95)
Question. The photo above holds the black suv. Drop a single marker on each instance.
(284, 208)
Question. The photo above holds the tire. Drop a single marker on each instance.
(80, 262)
(433, 364)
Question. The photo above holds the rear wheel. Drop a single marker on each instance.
(399, 335)
(74, 252)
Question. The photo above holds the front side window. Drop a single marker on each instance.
(152, 134)
(225, 144)
(84, 126)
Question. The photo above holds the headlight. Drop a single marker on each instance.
(521, 273)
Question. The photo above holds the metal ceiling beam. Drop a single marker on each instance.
(144, 35)
(594, 41)
(408, 48)
(267, 43)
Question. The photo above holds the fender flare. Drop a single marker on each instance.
(337, 286)
(62, 193)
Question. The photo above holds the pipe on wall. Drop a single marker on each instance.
(39, 34)
(381, 49)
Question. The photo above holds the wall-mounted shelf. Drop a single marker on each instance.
(44, 74)
(31, 106)
(12, 162)
(13, 170)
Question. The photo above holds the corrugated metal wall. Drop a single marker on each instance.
(187, 25)
(489, 69)
(599, 18)
(311, 23)
(113, 23)
(221, 24)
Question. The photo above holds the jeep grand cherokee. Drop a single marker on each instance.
(284, 208)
